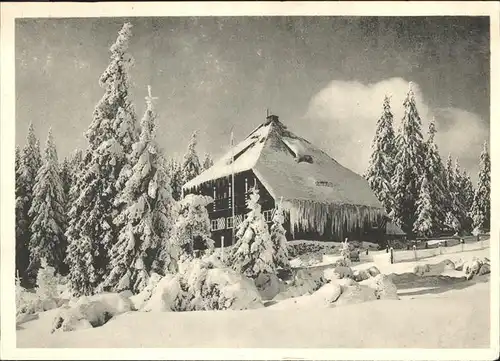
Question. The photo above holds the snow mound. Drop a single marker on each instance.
(360, 275)
(139, 300)
(91, 311)
(476, 266)
(383, 286)
(355, 293)
(268, 286)
(328, 293)
(305, 281)
(338, 273)
(163, 297)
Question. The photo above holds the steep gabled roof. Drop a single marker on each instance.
(291, 168)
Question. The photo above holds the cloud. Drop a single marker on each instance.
(342, 117)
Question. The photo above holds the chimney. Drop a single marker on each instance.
(272, 118)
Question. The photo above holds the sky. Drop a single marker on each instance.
(325, 77)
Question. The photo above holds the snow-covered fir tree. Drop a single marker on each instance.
(464, 188)
(455, 211)
(253, 251)
(409, 167)
(75, 160)
(426, 222)
(46, 281)
(174, 170)
(29, 164)
(110, 137)
(278, 238)
(191, 163)
(146, 220)
(22, 251)
(467, 188)
(48, 213)
(435, 187)
(192, 227)
(381, 166)
(345, 254)
(66, 179)
(480, 211)
(207, 161)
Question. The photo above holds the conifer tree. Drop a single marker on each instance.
(174, 171)
(110, 137)
(278, 238)
(463, 187)
(22, 250)
(29, 164)
(207, 161)
(410, 166)
(381, 166)
(425, 225)
(434, 178)
(253, 251)
(48, 213)
(481, 206)
(191, 163)
(66, 179)
(46, 281)
(146, 220)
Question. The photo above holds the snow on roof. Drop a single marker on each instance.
(273, 153)
(246, 154)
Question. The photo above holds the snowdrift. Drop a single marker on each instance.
(88, 312)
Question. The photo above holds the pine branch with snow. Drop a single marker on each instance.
(48, 212)
(481, 207)
(382, 159)
(253, 251)
(191, 164)
(278, 238)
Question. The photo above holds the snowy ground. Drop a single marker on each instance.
(434, 312)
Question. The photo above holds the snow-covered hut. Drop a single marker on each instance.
(322, 199)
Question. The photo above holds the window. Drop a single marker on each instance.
(268, 215)
(218, 224)
(229, 222)
(237, 220)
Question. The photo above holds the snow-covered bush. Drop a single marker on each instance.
(253, 251)
(360, 275)
(202, 285)
(345, 253)
(305, 248)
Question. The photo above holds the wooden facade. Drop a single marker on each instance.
(220, 212)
